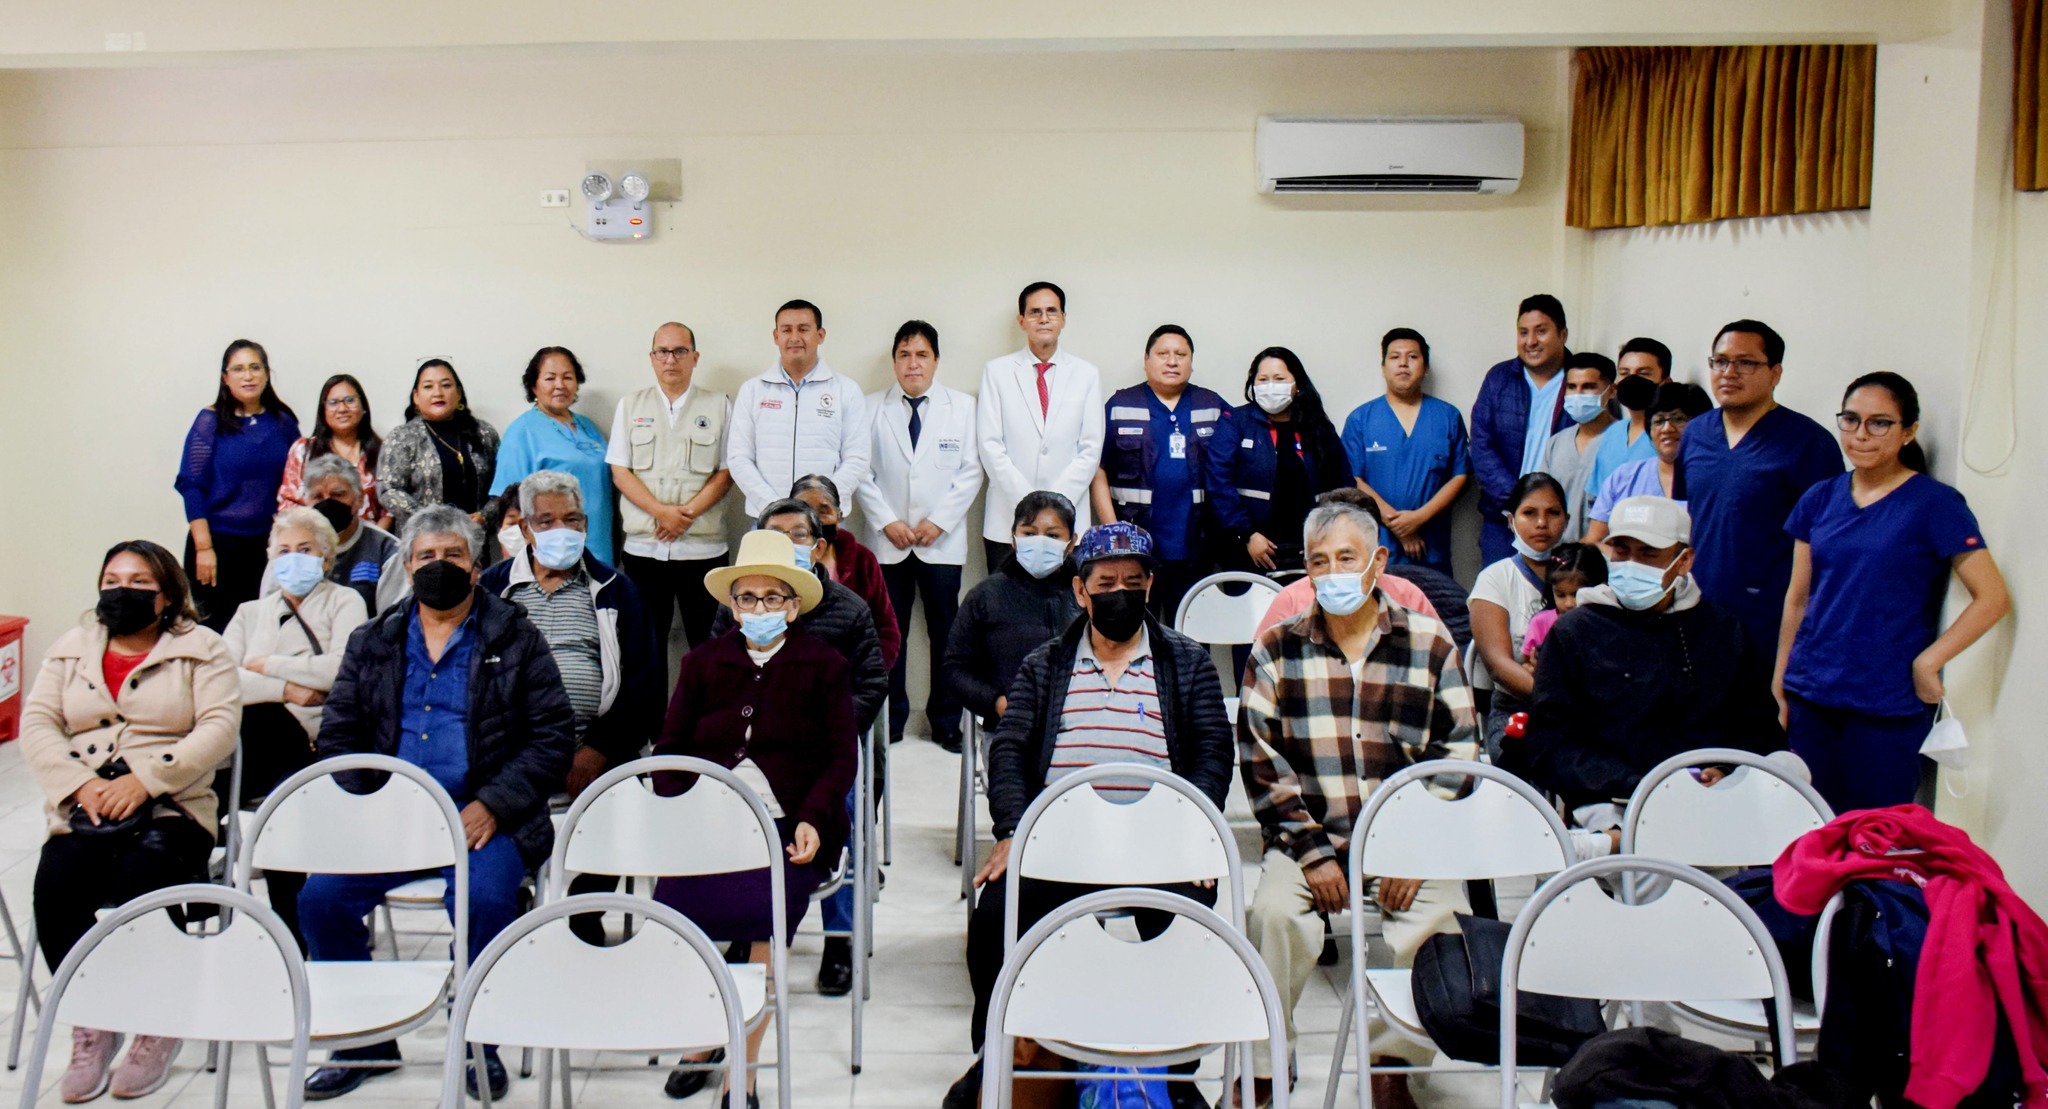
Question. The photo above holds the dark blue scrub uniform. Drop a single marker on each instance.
(1408, 468)
(1739, 500)
(1879, 576)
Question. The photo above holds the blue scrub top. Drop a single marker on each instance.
(1542, 414)
(536, 442)
(1408, 468)
(1173, 479)
(1635, 479)
(1879, 576)
(1740, 499)
(1613, 451)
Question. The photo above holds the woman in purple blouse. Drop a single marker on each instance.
(234, 459)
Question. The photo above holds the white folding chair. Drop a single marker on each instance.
(1172, 834)
(1210, 616)
(973, 782)
(859, 869)
(311, 825)
(1746, 819)
(537, 985)
(1502, 828)
(1697, 940)
(1088, 995)
(137, 972)
(620, 826)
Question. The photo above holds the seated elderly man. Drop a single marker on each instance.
(1116, 687)
(1644, 668)
(461, 684)
(366, 558)
(1334, 701)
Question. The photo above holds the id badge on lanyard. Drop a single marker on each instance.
(1177, 445)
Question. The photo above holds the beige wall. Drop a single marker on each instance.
(362, 217)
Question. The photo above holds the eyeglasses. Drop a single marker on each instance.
(1877, 426)
(344, 402)
(752, 602)
(1044, 314)
(1670, 419)
(670, 354)
(1744, 367)
(802, 537)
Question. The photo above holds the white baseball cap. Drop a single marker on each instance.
(1657, 522)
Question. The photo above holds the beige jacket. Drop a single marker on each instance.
(264, 628)
(175, 720)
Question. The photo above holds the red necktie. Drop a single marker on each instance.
(1044, 398)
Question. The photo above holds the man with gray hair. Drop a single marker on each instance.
(366, 558)
(1334, 701)
(461, 684)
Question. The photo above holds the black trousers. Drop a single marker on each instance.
(939, 585)
(1036, 899)
(274, 747)
(81, 874)
(995, 553)
(666, 586)
(238, 562)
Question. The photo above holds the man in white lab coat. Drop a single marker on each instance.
(1040, 419)
(914, 510)
(798, 418)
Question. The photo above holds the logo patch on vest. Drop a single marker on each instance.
(643, 421)
(825, 401)
(770, 403)
(703, 422)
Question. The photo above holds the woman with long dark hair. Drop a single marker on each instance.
(341, 426)
(233, 463)
(441, 454)
(1861, 646)
(1508, 594)
(1264, 472)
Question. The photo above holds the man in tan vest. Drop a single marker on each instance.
(667, 456)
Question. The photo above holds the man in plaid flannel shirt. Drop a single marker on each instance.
(1333, 701)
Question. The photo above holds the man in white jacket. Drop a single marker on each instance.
(914, 510)
(798, 418)
(1040, 418)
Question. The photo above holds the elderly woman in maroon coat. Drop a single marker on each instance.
(773, 703)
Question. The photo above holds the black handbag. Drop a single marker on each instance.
(1457, 998)
(81, 821)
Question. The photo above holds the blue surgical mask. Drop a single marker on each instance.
(1583, 407)
(763, 628)
(803, 557)
(558, 548)
(1040, 555)
(297, 574)
(1526, 551)
(1341, 594)
(1635, 585)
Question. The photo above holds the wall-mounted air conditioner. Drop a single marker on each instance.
(1310, 154)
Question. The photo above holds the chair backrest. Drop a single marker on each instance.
(1171, 834)
(137, 972)
(312, 825)
(1502, 828)
(1696, 942)
(1209, 615)
(1746, 819)
(619, 826)
(537, 985)
(1198, 982)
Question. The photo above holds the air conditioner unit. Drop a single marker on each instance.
(1306, 154)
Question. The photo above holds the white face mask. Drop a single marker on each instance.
(512, 541)
(1273, 396)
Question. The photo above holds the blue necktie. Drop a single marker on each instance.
(916, 421)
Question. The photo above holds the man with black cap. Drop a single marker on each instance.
(1117, 687)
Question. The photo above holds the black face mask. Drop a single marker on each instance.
(441, 585)
(125, 611)
(829, 533)
(1118, 613)
(1636, 392)
(336, 514)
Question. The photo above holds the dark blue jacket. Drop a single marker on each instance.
(1131, 448)
(1500, 426)
(635, 666)
(1239, 472)
(522, 732)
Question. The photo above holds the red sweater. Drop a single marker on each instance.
(1986, 950)
(859, 570)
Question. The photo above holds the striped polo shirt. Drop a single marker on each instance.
(1100, 722)
(567, 619)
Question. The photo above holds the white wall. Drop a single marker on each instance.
(361, 217)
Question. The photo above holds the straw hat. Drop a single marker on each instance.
(769, 553)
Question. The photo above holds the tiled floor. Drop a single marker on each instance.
(916, 1023)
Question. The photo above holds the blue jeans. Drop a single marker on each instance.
(837, 912)
(332, 906)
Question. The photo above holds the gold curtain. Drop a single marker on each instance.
(1664, 135)
(2029, 95)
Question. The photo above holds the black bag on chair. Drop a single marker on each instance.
(1457, 998)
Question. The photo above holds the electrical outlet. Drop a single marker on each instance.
(554, 198)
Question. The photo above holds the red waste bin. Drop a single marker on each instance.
(13, 675)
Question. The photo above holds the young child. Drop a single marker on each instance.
(1573, 566)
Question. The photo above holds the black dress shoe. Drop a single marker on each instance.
(500, 1082)
(752, 1101)
(948, 743)
(682, 1083)
(332, 1082)
(835, 970)
(965, 1092)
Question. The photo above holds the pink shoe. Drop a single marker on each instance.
(92, 1053)
(148, 1063)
